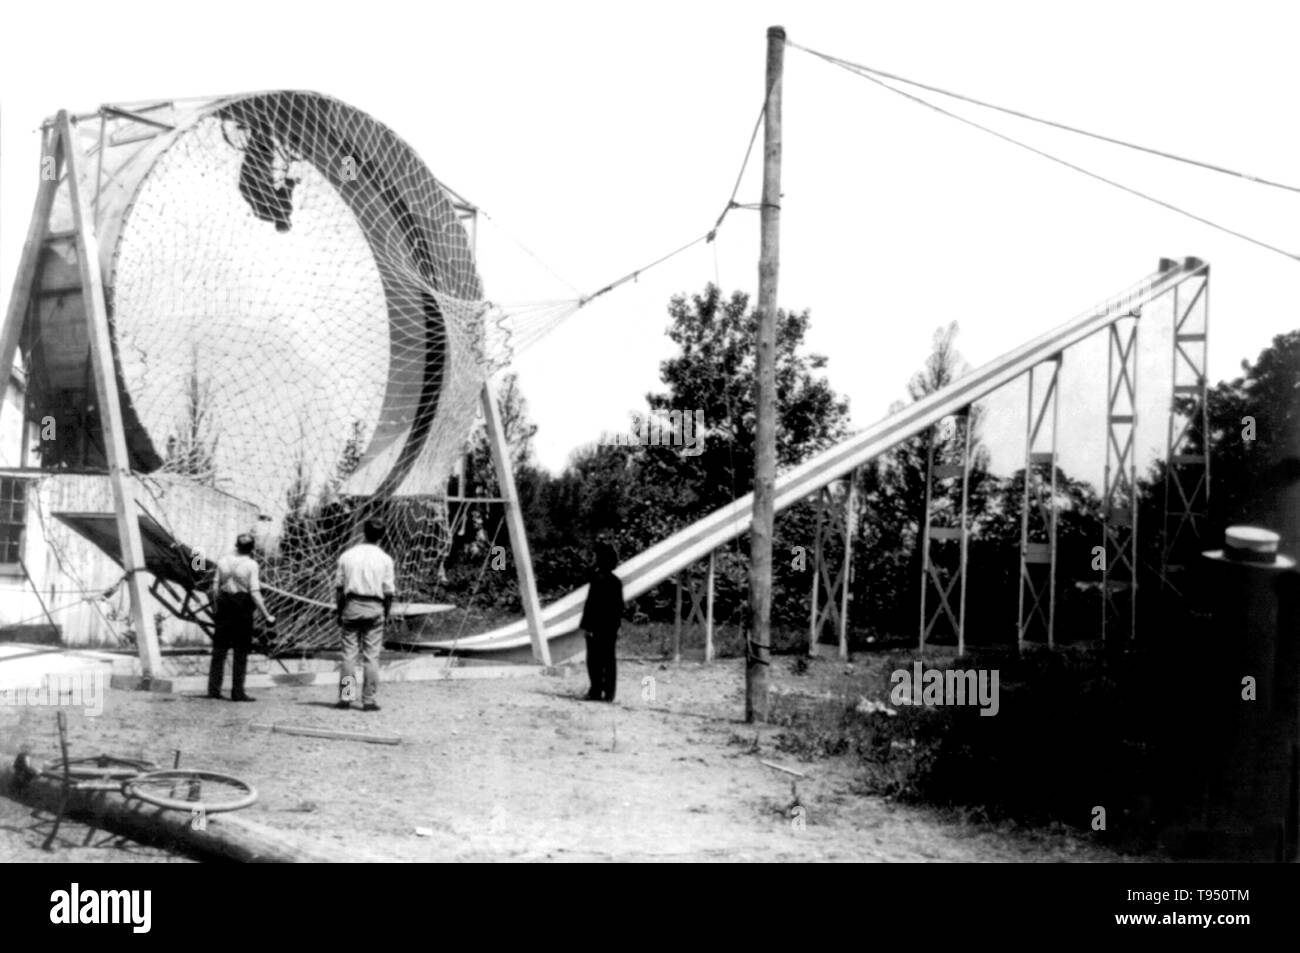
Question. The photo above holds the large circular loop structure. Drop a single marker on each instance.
(296, 316)
(277, 265)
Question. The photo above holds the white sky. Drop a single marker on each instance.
(602, 135)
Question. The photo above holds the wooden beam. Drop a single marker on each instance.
(708, 611)
(25, 280)
(110, 408)
(515, 524)
(677, 620)
(310, 732)
(850, 515)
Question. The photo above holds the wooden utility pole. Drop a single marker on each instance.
(760, 553)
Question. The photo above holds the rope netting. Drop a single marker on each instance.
(300, 324)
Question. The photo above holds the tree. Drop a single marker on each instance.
(192, 450)
(480, 474)
(713, 374)
(483, 520)
(1254, 447)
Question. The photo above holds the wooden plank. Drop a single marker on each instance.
(331, 733)
(850, 520)
(782, 768)
(1037, 553)
(945, 532)
(515, 525)
(110, 408)
(708, 612)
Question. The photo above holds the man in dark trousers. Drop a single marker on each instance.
(601, 617)
(236, 591)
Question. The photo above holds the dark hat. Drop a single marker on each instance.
(1251, 546)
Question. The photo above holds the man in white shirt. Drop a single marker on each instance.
(364, 585)
(236, 590)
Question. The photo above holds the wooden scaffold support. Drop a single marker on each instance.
(831, 589)
(1187, 465)
(938, 536)
(701, 608)
(1119, 498)
(1037, 606)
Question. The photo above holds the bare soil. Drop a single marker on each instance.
(525, 769)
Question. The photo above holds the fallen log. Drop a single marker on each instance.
(230, 837)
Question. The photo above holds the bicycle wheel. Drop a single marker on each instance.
(104, 767)
(190, 791)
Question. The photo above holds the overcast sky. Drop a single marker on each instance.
(602, 135)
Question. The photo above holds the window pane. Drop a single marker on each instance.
(10, 538)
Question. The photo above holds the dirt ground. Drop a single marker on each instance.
(523, 769)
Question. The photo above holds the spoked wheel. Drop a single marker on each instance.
(191, 791)
(102, 767)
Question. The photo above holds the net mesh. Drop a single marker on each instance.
(299, 323)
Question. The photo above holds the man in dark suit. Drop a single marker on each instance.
(601, 617)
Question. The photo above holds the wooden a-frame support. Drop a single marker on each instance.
(835, 524)
(500, 448)
(63, 148)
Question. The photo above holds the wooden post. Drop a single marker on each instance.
(849, 516)
(515, 524)
(965, 532)
(813, 628)
(924, 541)
(677, 622)
(106, 396)
(20, 300)
(760, 552)
(708, 613)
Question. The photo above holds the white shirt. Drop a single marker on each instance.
(236, 573)
(366, 570)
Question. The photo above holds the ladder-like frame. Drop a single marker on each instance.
(832, 588)
(1119, 496)
(945, 580)
(1038, 512)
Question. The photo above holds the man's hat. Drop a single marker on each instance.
(1251, 546)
